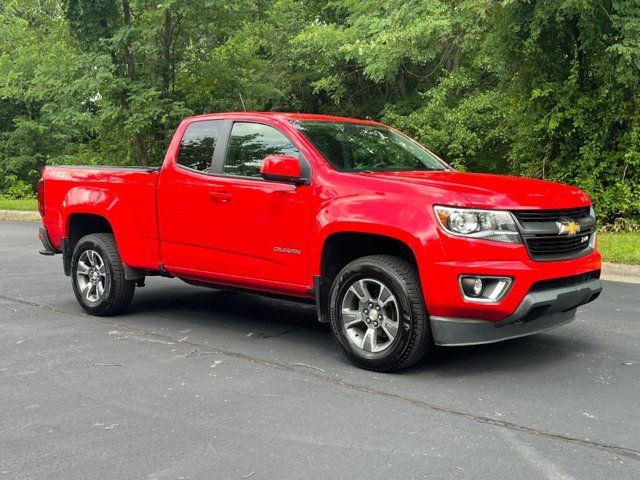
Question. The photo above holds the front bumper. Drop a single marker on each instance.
(538, 311)
(440, 276)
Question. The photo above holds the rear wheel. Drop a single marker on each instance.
(97, 276)
(378, 316)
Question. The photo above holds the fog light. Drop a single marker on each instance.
(477, 286)
(484, 289)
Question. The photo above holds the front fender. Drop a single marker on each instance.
(378, 214)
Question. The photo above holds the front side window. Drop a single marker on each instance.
(198, 143)
(357, 147)
(250, 143)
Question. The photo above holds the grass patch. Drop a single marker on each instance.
(23, 204)
(621, 247)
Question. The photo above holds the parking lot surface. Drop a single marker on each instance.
(195, 383)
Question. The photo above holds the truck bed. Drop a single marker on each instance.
(124, 195)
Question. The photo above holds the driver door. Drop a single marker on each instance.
(264, 224)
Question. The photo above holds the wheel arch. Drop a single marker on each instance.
(102, 267)
(340, 247)
(78, 225)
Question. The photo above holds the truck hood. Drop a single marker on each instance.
(494, 191)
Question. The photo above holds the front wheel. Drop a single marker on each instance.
(378, 315)
(97, 276)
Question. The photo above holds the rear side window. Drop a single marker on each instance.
(249, 143)
(198, 144)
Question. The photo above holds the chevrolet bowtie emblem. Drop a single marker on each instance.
(568, 227)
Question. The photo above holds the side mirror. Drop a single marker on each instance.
(283, 168)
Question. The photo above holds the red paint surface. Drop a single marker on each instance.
(224, 229)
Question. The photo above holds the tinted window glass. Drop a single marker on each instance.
(353, 147)
(198, 143)
(249, 143)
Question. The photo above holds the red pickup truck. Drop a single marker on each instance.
(398, 250)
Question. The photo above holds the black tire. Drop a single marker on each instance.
(118, 291)
(413, 338)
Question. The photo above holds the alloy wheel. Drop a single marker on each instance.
(91, 275)
(370, 315)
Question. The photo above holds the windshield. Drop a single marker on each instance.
(354, 147)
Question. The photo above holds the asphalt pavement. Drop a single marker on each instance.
(194, 383)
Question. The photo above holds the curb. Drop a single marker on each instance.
(19, 215)
(618, 272)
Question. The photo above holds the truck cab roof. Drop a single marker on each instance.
(283, 116)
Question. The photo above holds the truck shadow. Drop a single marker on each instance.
(292, 325)
(216, 305)
(215, 313)
(527, 354)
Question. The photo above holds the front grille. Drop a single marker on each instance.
(557, 246)
(540, 233)
(564, 281)
(551, 215)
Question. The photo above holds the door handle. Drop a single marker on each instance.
(222, 197)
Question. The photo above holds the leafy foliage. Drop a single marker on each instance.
(544, 88)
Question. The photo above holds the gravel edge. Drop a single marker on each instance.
(19, 215)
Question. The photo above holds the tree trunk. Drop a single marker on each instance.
(574, 25)
(138, 141)
(167, 37)
(140, 147)
(128, 54)
(402, 83)
(453, 55)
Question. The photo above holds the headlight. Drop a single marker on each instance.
(493, 225)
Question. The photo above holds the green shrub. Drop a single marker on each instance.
(16, 188)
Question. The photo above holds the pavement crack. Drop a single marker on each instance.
(298, 364)
(275, 334)
(197, 349)
(28, 244)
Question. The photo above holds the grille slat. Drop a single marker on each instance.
(548, 246)
(551, 215)
(559, 250)
(550, 241)
(564, 281)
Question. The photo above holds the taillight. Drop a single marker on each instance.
(41, 197)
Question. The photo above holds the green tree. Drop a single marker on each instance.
(44, 116)
(545, 88)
